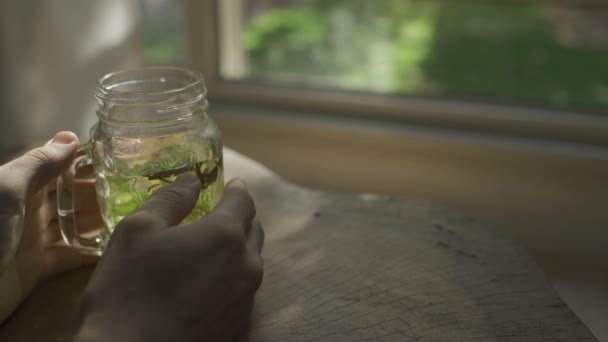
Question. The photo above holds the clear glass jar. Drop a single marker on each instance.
(153, 125)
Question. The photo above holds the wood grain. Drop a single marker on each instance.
(360, 267)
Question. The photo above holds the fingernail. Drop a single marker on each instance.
(64, 138)
(186, 179)
(239, 183)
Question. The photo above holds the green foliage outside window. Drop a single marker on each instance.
(488, 51)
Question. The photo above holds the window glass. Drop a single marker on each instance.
(163, 32)
(550, 53)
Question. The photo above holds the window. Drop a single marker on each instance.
(487, 64)
(163, 36)
(538, 53)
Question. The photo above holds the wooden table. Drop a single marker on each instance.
(358, 267)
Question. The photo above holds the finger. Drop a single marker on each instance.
(51, 205)
(236, 203)
(59, 259)
(255, 237)
(52, 186)
(87, 222)
(167, 206)
(36, 205)
(29, 173)
(52, 235)
(70, 180)
(85, 195)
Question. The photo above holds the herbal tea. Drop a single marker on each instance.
(133, 180)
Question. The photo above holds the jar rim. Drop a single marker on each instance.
(106, 86)
(150, 95)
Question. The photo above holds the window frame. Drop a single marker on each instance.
(492, 118)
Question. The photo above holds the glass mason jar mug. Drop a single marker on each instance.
(153, 125)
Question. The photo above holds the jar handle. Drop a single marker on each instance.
(90, 245)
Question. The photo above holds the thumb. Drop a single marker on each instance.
(31, 172)
(167, 206)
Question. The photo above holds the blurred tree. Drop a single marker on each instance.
(467, 49)
(508, 52)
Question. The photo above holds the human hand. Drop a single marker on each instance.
(29, 230)
(161, 282)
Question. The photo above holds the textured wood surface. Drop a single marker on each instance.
(356, 267)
